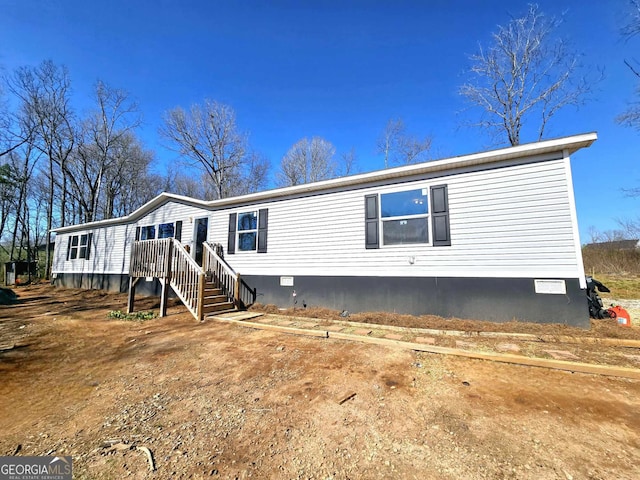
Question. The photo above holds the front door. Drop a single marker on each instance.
(201, 228)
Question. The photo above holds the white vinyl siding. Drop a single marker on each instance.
(110, 247)
(512, 221)
(172, 212)
(506, 222)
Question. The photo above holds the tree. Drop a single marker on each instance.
(23, 163)
(7, 195)
(113, 118)
(208, 138)
(349, 163)
(401, 148)
(631, 117)
(632, 27)
(526, 73)
(44, 93)
(307, 161)
(116, 186)
(390, 138)
(130, 160)
(257, 172)
(95, 160)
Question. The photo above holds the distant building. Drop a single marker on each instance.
(615, 245)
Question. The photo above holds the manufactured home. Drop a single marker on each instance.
(491, 235)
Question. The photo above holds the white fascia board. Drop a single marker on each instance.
(159, 200)
(560, 145)
(565, 144)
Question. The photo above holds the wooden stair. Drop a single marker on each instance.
(215, 301)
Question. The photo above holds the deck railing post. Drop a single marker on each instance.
(236, 292)
(199, 307)
(168, 252)
(132, 294)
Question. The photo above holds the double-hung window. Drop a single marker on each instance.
(79, 247)
(404, 217)
(407, 217)
(247, 231)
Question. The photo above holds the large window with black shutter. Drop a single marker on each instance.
(248, 231)
(405, 217)
(79, 246)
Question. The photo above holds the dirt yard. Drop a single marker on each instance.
(213, 400)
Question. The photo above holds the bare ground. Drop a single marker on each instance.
(213, 400)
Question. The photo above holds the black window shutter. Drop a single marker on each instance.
(440, 216)
(89, 240)
(69, 247)
(263, 221)
(371, 221)
(137, 233)
(178, 233)
(231, 244)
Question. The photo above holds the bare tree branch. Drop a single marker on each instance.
(400, 148)
(631, 117)
(44, 94)
(307, 161)
(207, 137)
(390, 138)
(525, 73)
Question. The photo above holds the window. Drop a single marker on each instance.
(247, 231)
(79, 247)
(148, 232)
(405, 217)
(166, 230)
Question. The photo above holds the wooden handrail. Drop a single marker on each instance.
(168, 260)
(228, 279)
(187, 279)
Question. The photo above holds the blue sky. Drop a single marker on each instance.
(336, 69)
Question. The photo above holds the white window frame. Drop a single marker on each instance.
(253, 230)
(74, 251)
(426, 216)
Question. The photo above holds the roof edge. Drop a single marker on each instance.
(567, 145)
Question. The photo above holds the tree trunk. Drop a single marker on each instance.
(47, 270)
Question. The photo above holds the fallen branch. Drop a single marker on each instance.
(347, 398)
(149, 455)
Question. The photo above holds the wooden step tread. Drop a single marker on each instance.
(222, 312)
(213, 291)
(217, 307)
(208, 299)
